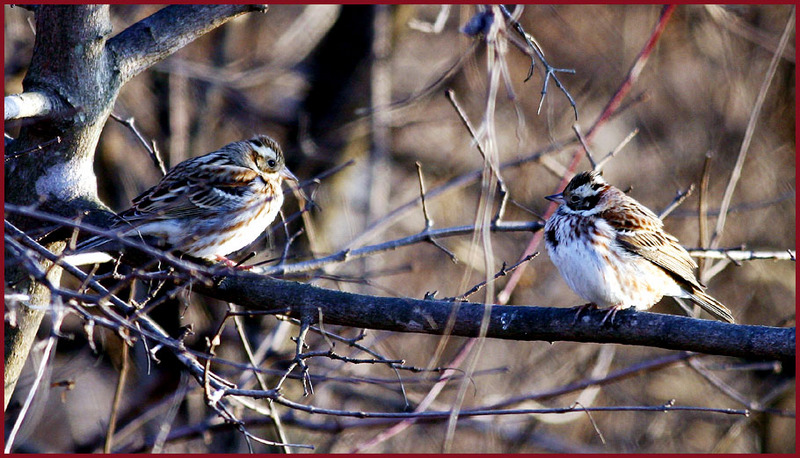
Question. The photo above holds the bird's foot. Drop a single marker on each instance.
(232, 264)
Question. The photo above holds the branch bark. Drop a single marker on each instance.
(507, 322)
(150, 40)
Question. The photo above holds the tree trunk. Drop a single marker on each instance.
(77, 71)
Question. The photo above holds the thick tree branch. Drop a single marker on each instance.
(507, 322)
(30, 104)
(154, 38)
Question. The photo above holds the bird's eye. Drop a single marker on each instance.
(271, 163)
(574, 198)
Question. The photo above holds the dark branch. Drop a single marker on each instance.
(507, 322)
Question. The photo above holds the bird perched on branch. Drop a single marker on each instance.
(212, 205)
(614, 252)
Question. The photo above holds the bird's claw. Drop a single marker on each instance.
(612, 312)
(583, 308)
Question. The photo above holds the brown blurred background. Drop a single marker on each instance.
(308, 75)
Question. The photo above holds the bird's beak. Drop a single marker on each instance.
(556, 198)
(286, 174)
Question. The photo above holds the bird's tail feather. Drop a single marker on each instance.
(712, 306)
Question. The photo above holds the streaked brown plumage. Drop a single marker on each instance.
(613, 251)
(211, 205)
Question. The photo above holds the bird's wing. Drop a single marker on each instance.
(640, 231)
(191, 190)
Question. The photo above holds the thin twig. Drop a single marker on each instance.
(549, 71)
(174, 403)
(727, 389)
(39, 147)
(504, 270)
(152, 150)
(348, 254)
(473, 176)
(451, 97)
(437, 388)
(273, 414)
(602, 162)
(58, 318)
(739, 255)
(680, 196)
(666, 407)
(123, 376)
(577, 129)
(702, 210)
(428, 220)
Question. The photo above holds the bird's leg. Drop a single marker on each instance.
(583, 308)
(232, 264)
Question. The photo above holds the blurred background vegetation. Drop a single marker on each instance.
(318, 78)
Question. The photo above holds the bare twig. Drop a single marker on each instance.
(680, 196)
(602, 162)
(428, 220)
(727, 389)
(348, 254)
(436, 27)
(152, 150)
(457, 360)
(273, 413)
(471, 177)
(123, 376)
(451, 97)
(666, 407)
(40, 147)
(549, 71)
(577, 129)
(741, 255)
(501, 273)
(58, 318)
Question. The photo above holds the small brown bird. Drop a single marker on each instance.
(212, 205)
(614, 252)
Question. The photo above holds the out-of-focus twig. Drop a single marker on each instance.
(751, 127)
